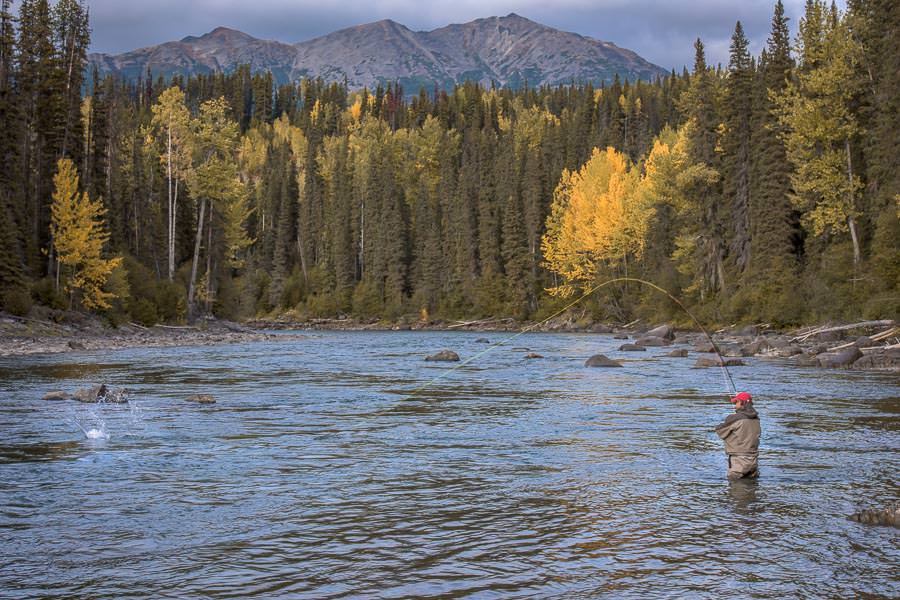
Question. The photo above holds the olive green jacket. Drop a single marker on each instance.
(741, 432)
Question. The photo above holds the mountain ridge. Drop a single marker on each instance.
(508, 51)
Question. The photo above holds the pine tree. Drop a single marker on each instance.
(736, 144)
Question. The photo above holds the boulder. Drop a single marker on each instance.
(202, 399)
(788, 351)
(680, 353)
(806, 360)
(533, 355)
(889, 516)
(663, 331)
(652, 341)
(842, 359)
(76, 345)
(96, 393)
(631, 348)
(620, 336)
(717, 362)
(599, 360)
(880, 360)
(56, 395)
(864, 341)
(684, 339)
(749, 330)
(704, 347)
(482, 341)
(444, 355)
(733, 350)
(601, 328)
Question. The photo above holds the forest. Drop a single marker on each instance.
(764, 190)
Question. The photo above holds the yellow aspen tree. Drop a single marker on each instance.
(79, 237)
(597, 216)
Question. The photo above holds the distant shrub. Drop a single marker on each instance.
(17, 301)
(366, 300)
(44, 292)
(171, 301)
(143, 311)
(293, 290)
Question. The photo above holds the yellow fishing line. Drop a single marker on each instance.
(588, 293)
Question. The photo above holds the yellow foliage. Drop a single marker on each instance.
(599, 214)
(78, 238)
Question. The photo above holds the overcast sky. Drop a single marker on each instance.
(662, 31)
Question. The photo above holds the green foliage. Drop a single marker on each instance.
(45, 293)
(17, 301)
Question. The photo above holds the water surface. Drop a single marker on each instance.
(318, 475)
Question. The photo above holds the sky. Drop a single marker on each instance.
(662, 31)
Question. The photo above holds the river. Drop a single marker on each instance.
(318, 475)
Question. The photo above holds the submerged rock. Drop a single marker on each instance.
(533, 355)
(202, 399)
(56, 395)
(652, 341)
(620, 336)
(889, 516)
(482, 341)
(841, 359)
(631, 348)
(717, 362)
(599, 360)
(680, 353)
(444, 355)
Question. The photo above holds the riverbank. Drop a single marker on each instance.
(867, 345)
(56, 332)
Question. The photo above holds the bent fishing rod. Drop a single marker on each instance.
(724, 367)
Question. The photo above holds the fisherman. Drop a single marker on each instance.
(740, 431)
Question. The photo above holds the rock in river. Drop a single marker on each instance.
(202, 399)
(717, 362)
(652, 340)
(56, 395)
(841, 359)
(598, 360)
(663, 331)
(883, 516)
(533, 355)
(632, 348)
(680, 353)
(444, 355)
(92, 394)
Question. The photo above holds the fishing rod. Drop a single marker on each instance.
(727, 374)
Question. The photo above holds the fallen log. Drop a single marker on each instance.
(881, 323)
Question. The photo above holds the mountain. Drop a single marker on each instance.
(508, 50)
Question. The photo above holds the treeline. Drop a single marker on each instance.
(767, 190)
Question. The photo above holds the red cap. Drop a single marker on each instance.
(742, 397)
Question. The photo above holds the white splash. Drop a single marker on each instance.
(96, 434)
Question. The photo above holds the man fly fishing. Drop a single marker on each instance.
(740, 431)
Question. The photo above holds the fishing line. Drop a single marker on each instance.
(728, 380)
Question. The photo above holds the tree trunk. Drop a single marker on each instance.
(192, 305)
(851, 222)
(171, 204)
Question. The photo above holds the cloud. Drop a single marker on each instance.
(662, 31)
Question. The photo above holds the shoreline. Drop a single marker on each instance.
(866, 346)
(20, 336)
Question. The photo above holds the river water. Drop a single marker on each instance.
(318, 475)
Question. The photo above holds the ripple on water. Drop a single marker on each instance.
(338, 466)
